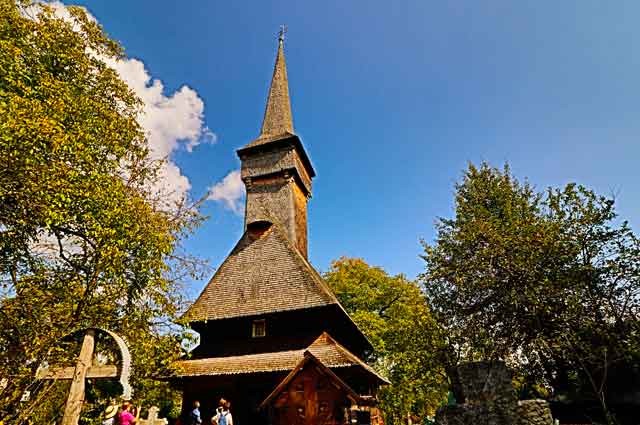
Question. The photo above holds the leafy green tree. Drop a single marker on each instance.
(548, 281)
(392, 312)
(84, 240)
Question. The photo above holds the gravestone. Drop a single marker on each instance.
(152, 418)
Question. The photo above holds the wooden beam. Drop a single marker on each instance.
(59, 373)
(76, 393)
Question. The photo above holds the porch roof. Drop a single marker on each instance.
(325, 349)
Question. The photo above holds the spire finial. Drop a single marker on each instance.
(277, 115)
(281, 33)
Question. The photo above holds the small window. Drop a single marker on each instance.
(259, 328)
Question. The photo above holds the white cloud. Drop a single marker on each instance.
(230, 191)
(171, 121)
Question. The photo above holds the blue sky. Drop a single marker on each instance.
(393, 98)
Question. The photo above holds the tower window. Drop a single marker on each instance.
(259, 328)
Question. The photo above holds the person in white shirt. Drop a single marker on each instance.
(223, 414)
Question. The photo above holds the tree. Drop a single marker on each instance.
(549, 281)
(84, 240)
(392, 312)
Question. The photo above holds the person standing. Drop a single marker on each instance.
(223, 414)
(110, 414)
(194, 416)
(126, 417)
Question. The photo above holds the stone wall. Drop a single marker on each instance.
(491, 400)
(534, 412)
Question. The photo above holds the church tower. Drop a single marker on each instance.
(276, 170)
(274, 339)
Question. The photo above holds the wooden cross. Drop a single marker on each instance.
(152, 418)
(83, 370)
(281, 33)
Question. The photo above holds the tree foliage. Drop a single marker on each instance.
(548, 280)
(84, 240)
(392, 312)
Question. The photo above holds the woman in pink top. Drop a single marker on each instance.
(126, 417)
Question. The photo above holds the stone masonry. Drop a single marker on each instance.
(491, 400)
(534, 412)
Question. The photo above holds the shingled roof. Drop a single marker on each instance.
(325, 349)
(278, 121)
(263, 274)
(320, 367)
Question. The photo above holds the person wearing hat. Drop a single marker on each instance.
(126, 415)
(110, 414)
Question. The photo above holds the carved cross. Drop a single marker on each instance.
(152, 418)
(84, 369)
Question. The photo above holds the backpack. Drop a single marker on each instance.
(222, 418)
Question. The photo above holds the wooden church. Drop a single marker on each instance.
(274, 340)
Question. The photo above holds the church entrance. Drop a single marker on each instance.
(311, 395)
(311, 400)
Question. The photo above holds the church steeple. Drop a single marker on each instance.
(277, 115)
(276, 170)
(274, 312)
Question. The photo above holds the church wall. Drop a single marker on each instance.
(273, 160)
(245, 392)
(284, 200)
(302, 171)
(271, 196)
(270, 161)
(290, 330)
(300, 217)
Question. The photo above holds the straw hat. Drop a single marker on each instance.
(110, 411)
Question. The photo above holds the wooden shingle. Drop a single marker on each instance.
(263, 274)
(325, 349)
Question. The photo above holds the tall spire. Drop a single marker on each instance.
(277, 115)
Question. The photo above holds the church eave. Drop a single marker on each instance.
(292, 171)
(204, 320)
(325, 348)
(260, 145)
